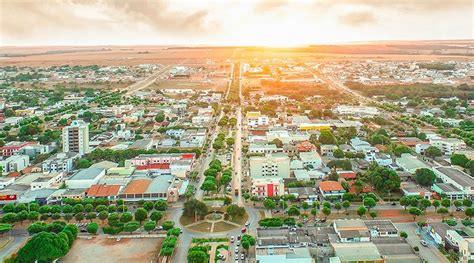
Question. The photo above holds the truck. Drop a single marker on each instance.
(236, 192)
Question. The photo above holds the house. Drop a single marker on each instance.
(47, 181)
(331, 189)
(381, 228)
(6, 181)
(311, 160)
(33, 150)
(328, 149)
(143, 144)
(437, 230)
(351, 230)
(307, 194)
(257, 148)
(306, 146)
(347, 175)
(380, 158)
(85, 178)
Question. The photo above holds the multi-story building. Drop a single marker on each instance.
(61, 162)
(448, 145)
(267, 187)
(12, 148)
(14, 163)
(270, 165)
(76, 137)
(464, 245)
(255, 118)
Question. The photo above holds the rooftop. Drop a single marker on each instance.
(87, 174)
(138, 186)
(103, 190)
(330, 186)
(458, 176)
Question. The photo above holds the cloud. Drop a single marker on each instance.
(265, 6)
(357, 18)
(405, 5)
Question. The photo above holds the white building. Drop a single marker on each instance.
(14, 163)
(85, 178)
(61, 162)
(463, 245)
(76, 137)
(270, 165)
(448, 145)
(356, 110)
(462, 184)
(267, 187)
(311, 159)
(46, 181)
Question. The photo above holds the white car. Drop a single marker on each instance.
(238, 242)
(232, 239)
(236, 251)
(242, 256)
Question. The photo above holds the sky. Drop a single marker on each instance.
(230, 22)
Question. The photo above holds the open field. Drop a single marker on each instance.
(135, 55)
(105, 250)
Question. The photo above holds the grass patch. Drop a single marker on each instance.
(223, 226)
(184, 220)
(201, 227)
(208, 240)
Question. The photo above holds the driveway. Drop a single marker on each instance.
(430, 253)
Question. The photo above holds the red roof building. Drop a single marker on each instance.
(154, 166)
(103, 190)
(331, 189)
(306, 146)
(347, 175)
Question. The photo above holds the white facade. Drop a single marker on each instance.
(448, 145)
(76, 137)
(14, 163)
(274, 165)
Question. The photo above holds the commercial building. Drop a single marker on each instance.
(76, 137)
(267, 187)
(85, 178)
(311, 160)
(410, 163)
(11, 148)
(456, 184)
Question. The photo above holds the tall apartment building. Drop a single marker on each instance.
(76, 137)
(270, 165)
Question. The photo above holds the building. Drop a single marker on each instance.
(331, 190)
(109, 192)
(456, 184)
(328, 149)
(85, 178)
(47, 181)
(462, 242)
(410, 163)
(270, 165)
(173, 160)
(14, 163)
(257, 148)
(311, 160)
(448, 145)
(286, 255)
(33, 150)
(61, 162)
(361, 111)
(437, 230)
(267, 187)
(76, 137)
(11, 148)
(255, 118)
(165, 187)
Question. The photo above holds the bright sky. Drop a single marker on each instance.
(231, 22)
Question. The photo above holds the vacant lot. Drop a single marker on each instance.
(105, 250)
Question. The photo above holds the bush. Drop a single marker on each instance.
(450, 222)
(92, 228)
(271, 222)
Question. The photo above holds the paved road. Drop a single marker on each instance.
(19, 237)
(237, 178)
(431, 253)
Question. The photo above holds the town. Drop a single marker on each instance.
(249, 160)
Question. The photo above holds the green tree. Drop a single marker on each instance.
(403, 234)
(197, 257)
(425, 176)
(269, 204)
(314, 212)
(361, 211)
(469, 212)
(326, 137)
(337, 206)
(459, 159)
(326, 211)
(103, 215)
(467, 202)
(436, 204)
(44, 247)
(167, 225)
(149, 226)
(4, 228)
(293, 211)
(161, 205)
(414, 211)
(373, 214)
(131, 227)
(9, 218)
(141, 215)
(338, 153)
(369, 203)
(442, 211)
(83, 163)
(126, 217)
(346, 204)
(92, 228)
(156, 216)
(194, 208)
(432, 152)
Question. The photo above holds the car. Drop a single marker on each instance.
(231, 239)
(247, 224)
(238, 242)
(244, 229)
(423, 243)
(236, 256)
(236, 250)
(242, 256)
(239, 237)
(393, 203)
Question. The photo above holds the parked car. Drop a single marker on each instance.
(231, 239)
(423, 243)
